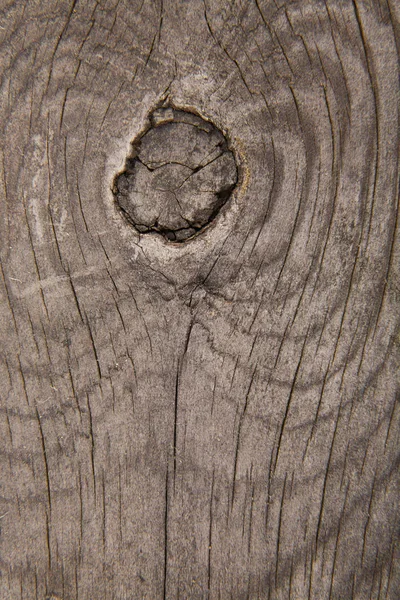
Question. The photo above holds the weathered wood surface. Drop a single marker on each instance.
(215, 418)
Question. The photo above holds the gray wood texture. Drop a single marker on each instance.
(214, 419)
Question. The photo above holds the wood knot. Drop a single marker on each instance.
(178, 176)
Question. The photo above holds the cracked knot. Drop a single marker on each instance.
(178, 176)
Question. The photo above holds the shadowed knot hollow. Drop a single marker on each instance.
(177, 177)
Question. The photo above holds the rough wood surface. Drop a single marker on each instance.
(216, 418)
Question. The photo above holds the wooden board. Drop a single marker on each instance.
(214, 418)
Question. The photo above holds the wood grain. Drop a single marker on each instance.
(216, 418)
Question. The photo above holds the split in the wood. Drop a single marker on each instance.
(178, 176)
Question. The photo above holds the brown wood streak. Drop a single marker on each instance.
(216, 418)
